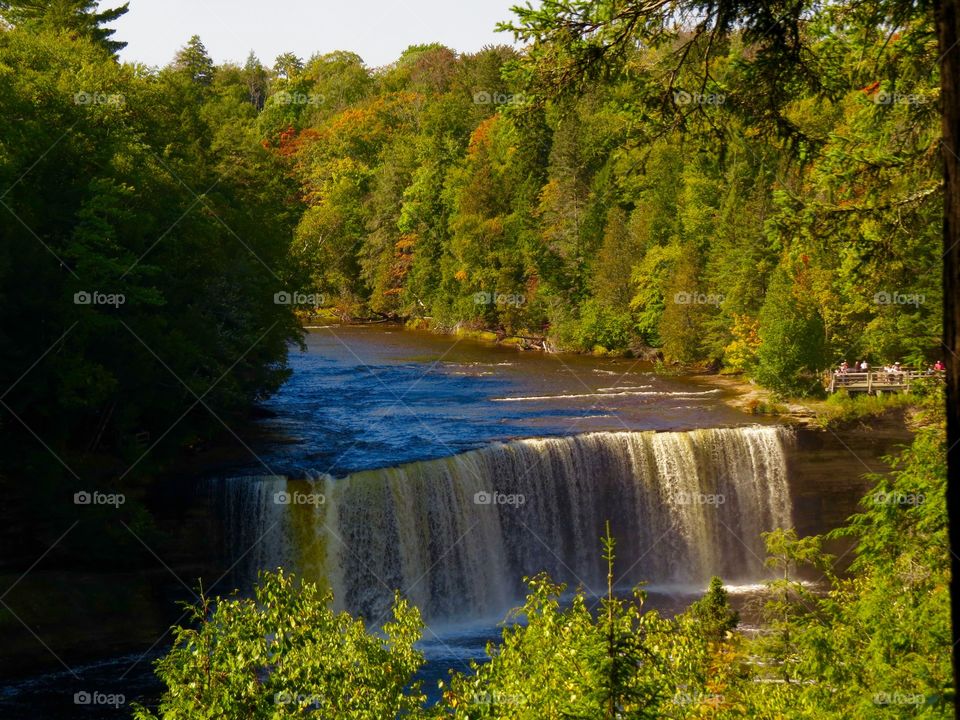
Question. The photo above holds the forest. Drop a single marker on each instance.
(623, 185)
(657, 207)
(650, 207)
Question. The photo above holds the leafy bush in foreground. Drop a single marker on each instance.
(285, 653)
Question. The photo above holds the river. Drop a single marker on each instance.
(449, 469)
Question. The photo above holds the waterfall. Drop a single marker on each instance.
(458, 534)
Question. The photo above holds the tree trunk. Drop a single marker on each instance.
(948, 32)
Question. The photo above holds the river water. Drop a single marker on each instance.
(422, 447)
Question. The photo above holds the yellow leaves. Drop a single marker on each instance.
(742, 350)
(460, 275)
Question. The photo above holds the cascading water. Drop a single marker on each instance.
(458, 534)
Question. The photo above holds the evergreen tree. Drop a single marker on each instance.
(79, 17)
(193, 61)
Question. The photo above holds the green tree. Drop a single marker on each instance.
(76, 17)
(193, 61)
(791, 336)
(288, 65)
(284, 653)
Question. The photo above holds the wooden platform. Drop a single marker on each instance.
(878, 381)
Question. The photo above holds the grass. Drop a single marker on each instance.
(841, 408)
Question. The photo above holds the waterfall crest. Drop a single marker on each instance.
(457, 535)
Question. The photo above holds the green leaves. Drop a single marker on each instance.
(284, 653)
(76, 17)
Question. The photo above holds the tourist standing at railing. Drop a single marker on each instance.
(939, 366)
(864, 366)
(843, 368)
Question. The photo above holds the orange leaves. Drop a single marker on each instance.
(405, 244)
(480, 138)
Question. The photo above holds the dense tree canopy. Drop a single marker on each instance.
(652, 206)
(145, 234)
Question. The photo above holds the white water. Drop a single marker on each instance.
(682, 505)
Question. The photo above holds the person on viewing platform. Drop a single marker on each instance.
(864, 366)
(938, 366)
(843, 368)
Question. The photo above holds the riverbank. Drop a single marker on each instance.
(835, 412)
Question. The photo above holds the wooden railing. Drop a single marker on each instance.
(879, 380)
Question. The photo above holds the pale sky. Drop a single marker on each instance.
(377, 30)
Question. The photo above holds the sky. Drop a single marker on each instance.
(377, 30)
